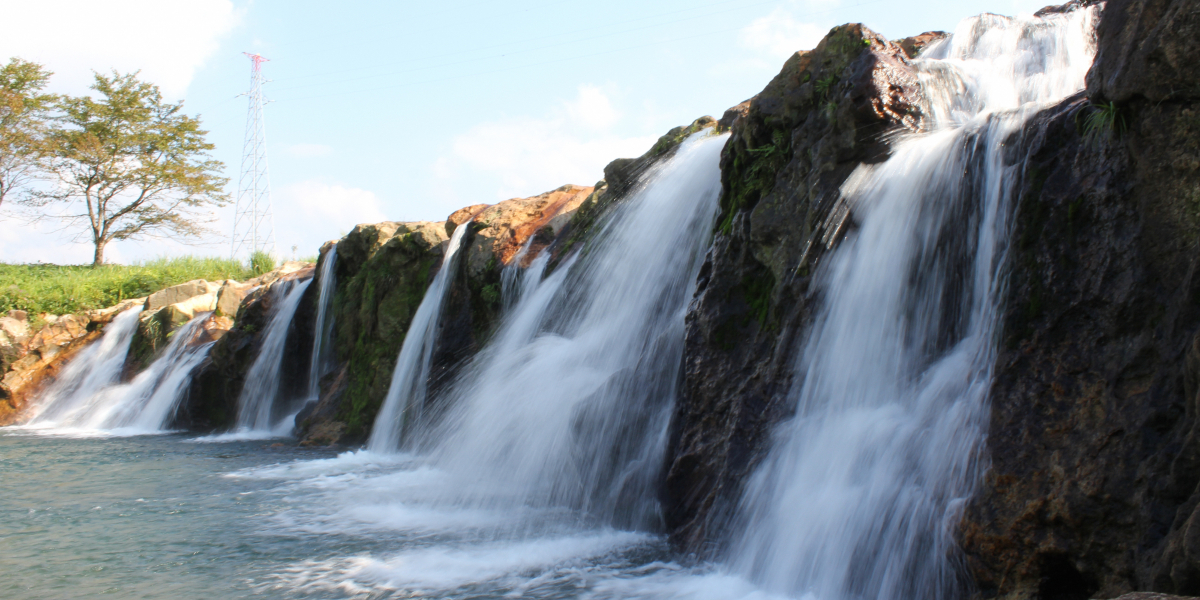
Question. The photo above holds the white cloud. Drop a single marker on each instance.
(527, 155)
(779, 34)
(309, 213)
(308, 150)
(593, 108)
(167, 41)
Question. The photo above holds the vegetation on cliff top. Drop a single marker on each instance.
(62, 289)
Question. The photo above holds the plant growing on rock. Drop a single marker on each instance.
(1103, 120)
(128, 165)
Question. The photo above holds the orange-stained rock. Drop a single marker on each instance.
(502, 229)
(39, 359)
(463, 215)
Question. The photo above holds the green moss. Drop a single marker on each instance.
(491, 293)
(374, 310)
(758, 292)
(752, 175)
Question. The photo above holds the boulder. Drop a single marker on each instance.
(230, 297)
(178, 293)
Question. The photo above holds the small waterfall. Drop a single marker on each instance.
(569, 403)
(513, 277)
(862, 490)
(83, 380)
(320, 352)
(144, 405)
(406, 393)
(256, 404)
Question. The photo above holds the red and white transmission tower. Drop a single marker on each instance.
(253, 224)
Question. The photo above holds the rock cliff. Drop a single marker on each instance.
(1095, 478)
(828, 111)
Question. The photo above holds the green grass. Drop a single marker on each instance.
(55, 289)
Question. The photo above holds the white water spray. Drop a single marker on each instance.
(410, 378)
(83, 379)
(861, 493)
(257, 402)
(568, 405)
(320, 352)
(144, 405)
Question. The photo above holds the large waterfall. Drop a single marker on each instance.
(860, 495)
(568, 405)
(88, 396)
(410, 378)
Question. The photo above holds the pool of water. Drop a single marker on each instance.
(167, 516)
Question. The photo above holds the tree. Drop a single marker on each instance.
(23, 117)
(126, 165)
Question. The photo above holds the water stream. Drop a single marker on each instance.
(257, 405)
(320, 360)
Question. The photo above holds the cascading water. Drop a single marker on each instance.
(256, 403)
(84, 379)
(144, 405)
(324, 325)
(513, 277)
(861, 492)
(410, 378)
(568, 405)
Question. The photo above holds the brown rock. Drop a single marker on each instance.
(230, 297)
(463, 215)
(914, 45)
(501, 230)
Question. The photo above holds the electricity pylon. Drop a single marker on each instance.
(253, 224)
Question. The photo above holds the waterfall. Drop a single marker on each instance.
(513, 277)
(862, 489)
(256, 403)
(320, 350)
(410, 378)
(84, 379)
(144, 405)
(568, 404)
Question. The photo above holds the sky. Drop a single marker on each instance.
(407, 111)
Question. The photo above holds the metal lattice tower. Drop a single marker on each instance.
(253, 224)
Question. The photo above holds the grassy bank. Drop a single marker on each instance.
(71, 288)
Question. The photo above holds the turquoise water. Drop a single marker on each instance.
(166, 517)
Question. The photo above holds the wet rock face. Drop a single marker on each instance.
(1147, 49)
(792, 146)
(382, 272)
(1094, 438)
(212, 399)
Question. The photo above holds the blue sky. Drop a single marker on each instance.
(409, 110)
